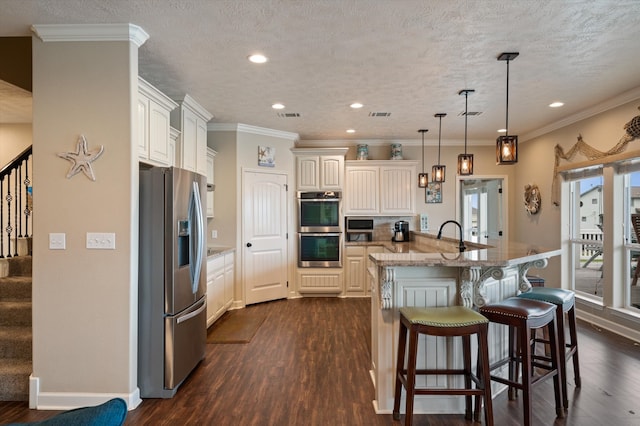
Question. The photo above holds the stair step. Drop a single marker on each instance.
(14, 379)
(15, 313)
(15, 342)
(15, 288)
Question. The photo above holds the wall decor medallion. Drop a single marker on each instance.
(81, 159)
(532, 199)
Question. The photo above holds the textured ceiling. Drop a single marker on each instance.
(409, 58)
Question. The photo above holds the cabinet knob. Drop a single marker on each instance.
(249, 244)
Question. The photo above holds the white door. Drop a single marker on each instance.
(482, 208)
(264, 231)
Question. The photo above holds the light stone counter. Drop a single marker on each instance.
(427, 272)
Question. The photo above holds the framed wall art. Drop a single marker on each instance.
(433, 192)
(266, 156)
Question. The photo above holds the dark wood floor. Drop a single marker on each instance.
(308, 365)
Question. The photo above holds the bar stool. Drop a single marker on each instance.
(564, 300)
(446, 321)
(522, 316)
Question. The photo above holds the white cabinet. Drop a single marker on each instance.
(382, 188)
(153, 133)
(220, 284)
(211, 154)
(320, 169)
(191, 119)
(355, 269)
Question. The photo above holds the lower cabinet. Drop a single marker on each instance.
(355, 269)
(220, 284)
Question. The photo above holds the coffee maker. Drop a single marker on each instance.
(401, 231)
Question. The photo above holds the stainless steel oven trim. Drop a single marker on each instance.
(318, 263)
(334, 198)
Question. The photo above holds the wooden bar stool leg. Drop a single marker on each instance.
(485, 377)
(562, 346)
(525, 354)
(555, 364)
(411, 375)
(466, 354)
(402, 347)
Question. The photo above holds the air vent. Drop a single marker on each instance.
(379, 114)
(288, 114)
(470, 113)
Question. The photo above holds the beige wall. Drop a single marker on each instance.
(84, 301)
(14, 138)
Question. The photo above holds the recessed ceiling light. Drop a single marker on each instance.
(556, 104)
(351, 131)
(258, 59)
(356, 105)
(502, 130)
(277, 106)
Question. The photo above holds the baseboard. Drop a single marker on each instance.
(608, 325)
(69, 400)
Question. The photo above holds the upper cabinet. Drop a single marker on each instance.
(319, 169)
(154, 139)
(191, 119)
(383, 188)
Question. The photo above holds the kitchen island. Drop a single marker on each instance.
(429, 272)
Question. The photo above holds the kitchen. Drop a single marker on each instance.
(237, 148)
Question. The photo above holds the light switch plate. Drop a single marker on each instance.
(57, 241)
(101, 240)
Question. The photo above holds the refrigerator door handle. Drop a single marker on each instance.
(196, 219)
(195, 313)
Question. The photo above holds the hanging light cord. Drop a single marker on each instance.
(466, 97)
(422, 151)
(439, 133)
(506, 127)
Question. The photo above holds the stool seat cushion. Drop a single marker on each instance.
(557, 296)
(452, 316)
(519, 308)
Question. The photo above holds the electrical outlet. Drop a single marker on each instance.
(101, 240)
(214, 233)
(57, 241)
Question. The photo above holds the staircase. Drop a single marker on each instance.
(15, 328)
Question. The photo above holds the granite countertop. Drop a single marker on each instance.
(426, 250)
(215, 251)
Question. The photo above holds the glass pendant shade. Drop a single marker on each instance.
(423, 180)
(438, 173)
(465, 164)
(507, 149)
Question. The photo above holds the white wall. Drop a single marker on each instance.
(14, 138)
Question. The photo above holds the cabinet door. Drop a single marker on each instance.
(215, 289)
(143, 127)
(210, 174)
(397, 190)
(159, 134)
(362, 192)
(229, 278)
(308, 172)
(354, 270)
(201, 147)
(188, 145)
(331, 172)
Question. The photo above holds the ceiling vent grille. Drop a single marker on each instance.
(470, 113)
(379, 114)
(288, 114)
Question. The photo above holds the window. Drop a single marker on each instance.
(587, 235)
(632, 242)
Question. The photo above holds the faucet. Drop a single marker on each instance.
(461, 245)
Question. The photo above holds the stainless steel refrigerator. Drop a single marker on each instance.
(172, 279)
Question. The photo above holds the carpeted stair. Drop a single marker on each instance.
(15, 328)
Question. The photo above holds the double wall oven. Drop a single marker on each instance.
(319, 229)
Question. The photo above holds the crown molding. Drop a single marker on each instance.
(616, 101)
(246, 128)
(310, 143)
(91, 32)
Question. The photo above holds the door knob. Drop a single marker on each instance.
(249, 244)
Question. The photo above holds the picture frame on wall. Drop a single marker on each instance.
(433, 192)
(266, 156)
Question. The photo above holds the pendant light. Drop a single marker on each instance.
(438, 171)
(507, 146)
(423, 178)
(465, 161)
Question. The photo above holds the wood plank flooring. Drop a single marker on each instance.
(308, 365)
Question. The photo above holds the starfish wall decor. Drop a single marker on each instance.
(81, 159)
